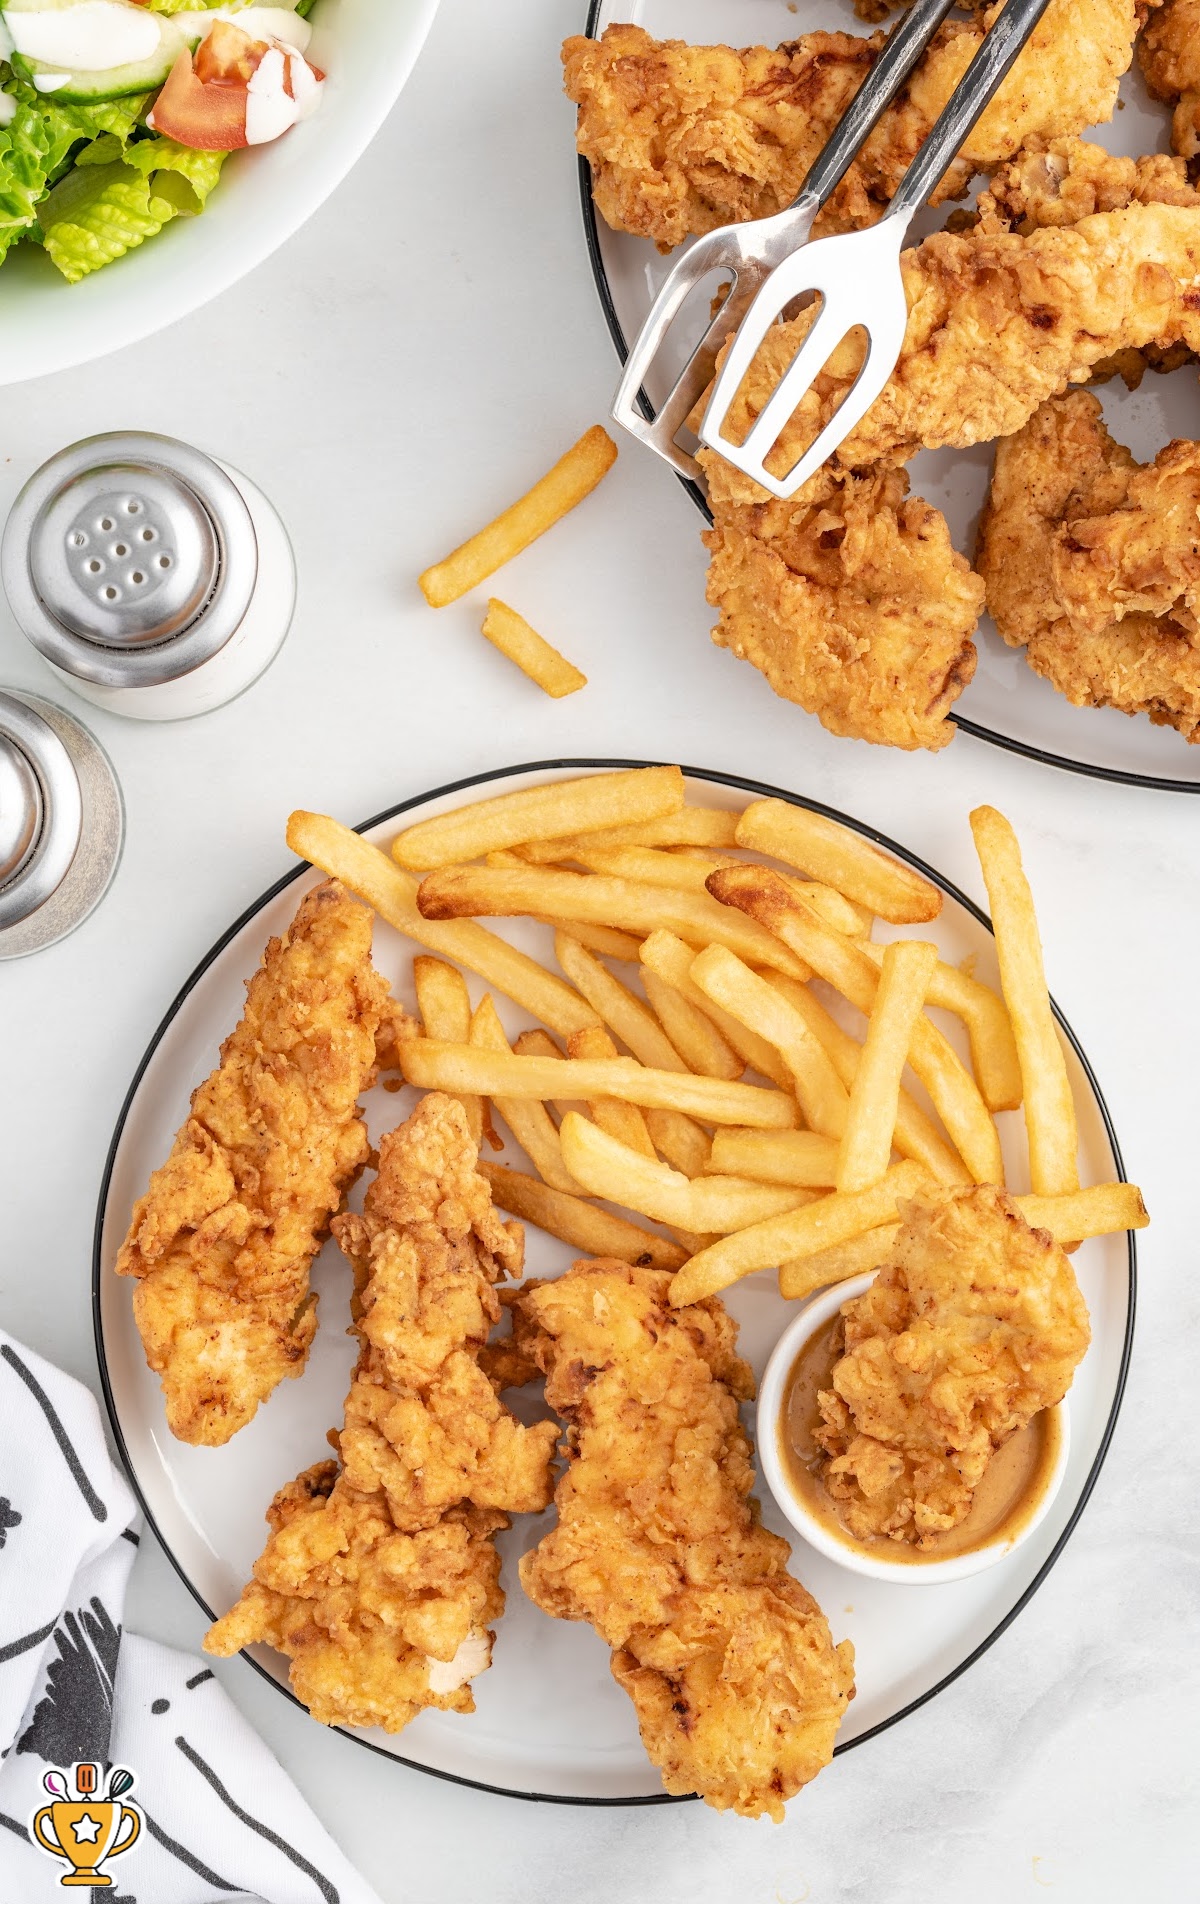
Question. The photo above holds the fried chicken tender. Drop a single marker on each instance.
(224, 1237)
(852, 601)
(1169, 52)
(1092, 562)
(380, 1576)
(1059, 183)
(729, 1662)
(683, 138)
(976, 1325)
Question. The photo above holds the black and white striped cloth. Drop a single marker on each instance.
(221, 1818)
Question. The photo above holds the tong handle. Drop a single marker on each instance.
(966, 104)
(905, 46)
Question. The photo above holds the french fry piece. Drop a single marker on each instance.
(839, 1262)
(463, 892)
(688, 827)
(916, 1135)
(445, 1007)
(866, 1147)
(609, 1169)
(776, 1157)
(532, 653)
(537, 813)
(539, 1044)
(844, 965)
(691, 1031)
(620, 1010)
(622, 1121)
(680, 1141)
(573, 477)
(689, 871)
(797, 1234)
(527, 1119)
(820, 1093)
(1096, 1212)
(1049, 1107)
(339, 851)
(993, 1048)
(437, 1067)
(600, 939)
(671, 959)
(838, 857)
(598, 1233)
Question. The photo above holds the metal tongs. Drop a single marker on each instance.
(856, 275)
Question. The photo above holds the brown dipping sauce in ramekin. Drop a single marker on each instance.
(1008, 1494)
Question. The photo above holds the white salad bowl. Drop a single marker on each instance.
(821, 1310)
(367, 48)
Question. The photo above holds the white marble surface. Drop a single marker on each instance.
(401, 368)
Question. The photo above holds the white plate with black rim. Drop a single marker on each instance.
(1006, 703)
(551, 1723)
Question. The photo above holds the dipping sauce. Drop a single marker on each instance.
(1008, 1493)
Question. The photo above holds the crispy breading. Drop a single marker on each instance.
(853, 601)
(683, 138)
(1169, 51)
(224, 1237)
(1092, 562)
(729, 1662)
(380, 1575)
(1061, 182)
(975, 1325)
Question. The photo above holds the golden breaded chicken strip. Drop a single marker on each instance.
(729, 1662)
(681, 139)
(1092, 563)
(975, 1326)
(381, 1576)
(1169, 52)
(224, 1237)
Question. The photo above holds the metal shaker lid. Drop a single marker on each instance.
(129, 559)
(61, 824)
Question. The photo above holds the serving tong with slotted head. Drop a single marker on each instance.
(855, 275)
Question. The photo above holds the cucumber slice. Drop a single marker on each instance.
(61, 46)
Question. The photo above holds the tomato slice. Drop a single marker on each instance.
(204, 101)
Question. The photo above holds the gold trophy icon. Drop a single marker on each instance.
(88, 1829)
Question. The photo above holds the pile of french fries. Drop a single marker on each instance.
(736, 933)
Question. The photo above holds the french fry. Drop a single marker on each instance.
(573, 477)
(866, 1147)
(598, 1233)
(538, 1044)
(776, 1157)
(680, 1141)
(993, 1048)
(916, 1136)
(345, 855)
(600, 939)
(671, 959)
(840, 858)
(820, 1093)
(689, 871)
(621, 1011)
(464, 892)
(445, 1007)
(609, 1169)
(1098, 1211)
(691, 1031)
(839, 1262)
(844, 965)
(438, 1067)
(532, 653)
(688, 827)
(797, 1234)
(527, 1119)
(622, 1121)
(537, 813)
(1049, 1107)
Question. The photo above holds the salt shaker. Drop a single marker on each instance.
(61, 824)
(154, 580)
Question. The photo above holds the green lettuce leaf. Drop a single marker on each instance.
(23, 150)
(115, 197)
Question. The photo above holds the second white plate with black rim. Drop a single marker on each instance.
(551, 1723)
(1006, 704)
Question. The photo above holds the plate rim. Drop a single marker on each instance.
(1090, 770)
(759, 790)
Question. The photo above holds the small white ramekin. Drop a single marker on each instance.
(814, 1315)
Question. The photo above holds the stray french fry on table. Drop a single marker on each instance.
(532, 653)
